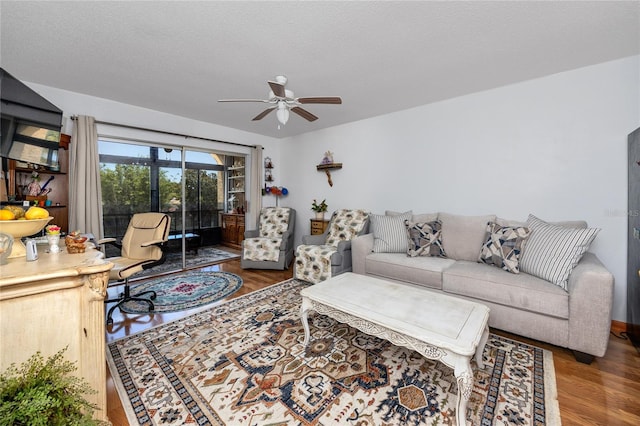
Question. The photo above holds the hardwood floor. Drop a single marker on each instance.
(606, 392)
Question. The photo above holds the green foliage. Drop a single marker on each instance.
(45, 393)
(126, 189)
(319, 207)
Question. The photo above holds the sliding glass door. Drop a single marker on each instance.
(188, 185)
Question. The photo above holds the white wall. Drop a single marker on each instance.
(555, 147)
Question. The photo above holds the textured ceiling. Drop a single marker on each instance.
(179, 57)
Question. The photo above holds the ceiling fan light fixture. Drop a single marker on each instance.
(282, 113)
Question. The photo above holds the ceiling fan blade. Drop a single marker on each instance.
(277, 89)
(321, 100)
(242, 100)
(263, 114)
(304, 114)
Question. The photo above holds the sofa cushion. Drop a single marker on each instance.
(421, 217)
(425, 271)
(389, 234)
(553, 251)
(522, 291)
(424, 238)
(463, 236)
(568, 223)
(503, 246)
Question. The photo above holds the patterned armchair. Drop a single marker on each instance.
(271, 245)
(321, 257)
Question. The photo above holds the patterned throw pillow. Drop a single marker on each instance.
(425, 239)
(389, 235)
(503, 246)
(553, 251)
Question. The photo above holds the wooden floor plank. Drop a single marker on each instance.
(606, 392)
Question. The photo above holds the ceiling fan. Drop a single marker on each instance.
(283, 100)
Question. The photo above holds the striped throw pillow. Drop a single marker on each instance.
(389, 234)
(553, 251)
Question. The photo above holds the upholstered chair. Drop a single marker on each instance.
(141, 248)
(320, 257)
(271, 245)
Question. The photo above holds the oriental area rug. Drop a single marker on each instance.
(186, 290)
(204, 256)
(242, 362)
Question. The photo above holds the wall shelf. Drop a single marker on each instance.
(327, 169)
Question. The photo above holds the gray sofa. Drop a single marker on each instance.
(578, 318)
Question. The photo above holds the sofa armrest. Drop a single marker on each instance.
(252, 233)
(344, 246)
(313, 240)
(590, 304)
(287, 240)
(361, 246)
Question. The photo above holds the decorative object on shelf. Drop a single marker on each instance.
(34, 188)
(75, 242)
(53, 238)
(319, 208)
(328, 158)
(268, 173)
(278, 191)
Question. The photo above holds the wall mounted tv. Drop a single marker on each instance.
(30, 125)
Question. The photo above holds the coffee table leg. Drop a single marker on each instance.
(480, 348)
(464, 377)
(304, 310)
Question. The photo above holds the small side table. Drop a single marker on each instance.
(318, 226)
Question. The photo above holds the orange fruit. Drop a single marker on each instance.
(36, 213)
(7, 215)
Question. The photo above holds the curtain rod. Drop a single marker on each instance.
(164, 132)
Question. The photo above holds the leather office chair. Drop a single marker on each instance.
(321, 257)
(141, 248)
(271, 245)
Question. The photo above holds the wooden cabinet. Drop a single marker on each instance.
(232, 230)
(57, 302)
(58, 182)
(318, 226)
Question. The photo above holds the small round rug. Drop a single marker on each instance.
(186, 290)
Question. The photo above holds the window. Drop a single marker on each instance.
(139, 177)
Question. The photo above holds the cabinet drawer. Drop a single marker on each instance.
(318, 226)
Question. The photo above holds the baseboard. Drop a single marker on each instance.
(618, 327)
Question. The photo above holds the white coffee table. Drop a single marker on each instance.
(438, 326)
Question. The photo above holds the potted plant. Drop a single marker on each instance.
(319, 208)
(45, 393)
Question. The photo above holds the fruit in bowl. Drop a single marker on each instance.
(22, 228)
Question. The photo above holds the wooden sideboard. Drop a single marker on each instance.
(232, 230)
(55, 302)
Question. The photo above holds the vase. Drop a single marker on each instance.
(54, 241)
(320, 215)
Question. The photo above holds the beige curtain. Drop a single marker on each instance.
(85, 194)
(253, 211)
